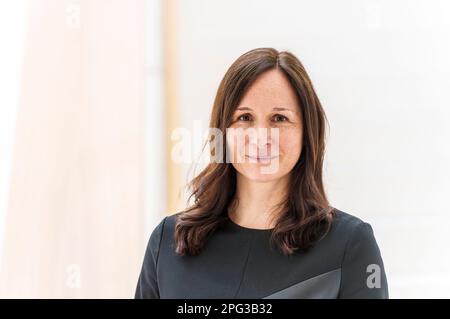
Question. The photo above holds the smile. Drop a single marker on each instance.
(261, 158)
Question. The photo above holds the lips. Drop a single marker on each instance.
(261, 158)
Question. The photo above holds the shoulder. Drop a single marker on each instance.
(343, 224)
(345, 228)
(347, 231)
(166, 225)
(361, 262)
(345, 219)
(347, 225)
(357, 238)
(163, 229)
(169, 221)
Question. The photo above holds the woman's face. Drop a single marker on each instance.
(264, 139)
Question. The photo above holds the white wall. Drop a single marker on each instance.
(75, 197)
(155, 160)
(12, 33)
(381, 70)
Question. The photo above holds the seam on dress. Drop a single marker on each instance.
(245, 266)
(159, 242)
(345, 251)
(157, 255)
(309, 278)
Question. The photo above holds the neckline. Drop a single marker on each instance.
(248, 229)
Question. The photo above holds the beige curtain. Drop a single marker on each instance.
(73, 222)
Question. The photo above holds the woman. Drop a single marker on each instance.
(261, 225)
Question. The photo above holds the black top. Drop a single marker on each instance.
(239, 262)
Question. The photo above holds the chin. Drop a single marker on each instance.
(256, 174)
(262, 178)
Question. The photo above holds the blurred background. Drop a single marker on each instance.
(91, 90)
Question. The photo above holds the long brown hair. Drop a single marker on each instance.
(305, 216)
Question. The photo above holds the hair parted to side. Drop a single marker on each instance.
(306, 215)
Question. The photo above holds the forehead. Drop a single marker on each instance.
(270, 90)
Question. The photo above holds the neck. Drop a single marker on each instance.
(255, 202)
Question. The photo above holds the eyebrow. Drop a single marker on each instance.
(245, 108)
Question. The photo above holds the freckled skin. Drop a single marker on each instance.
(270, 90)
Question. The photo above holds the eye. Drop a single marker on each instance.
(244, 117)
(280, 118)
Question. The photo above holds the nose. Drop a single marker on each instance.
(260, 141)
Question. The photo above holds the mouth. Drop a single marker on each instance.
(261, 158)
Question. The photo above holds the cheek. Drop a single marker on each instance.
(235, 147)
(291, 144)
